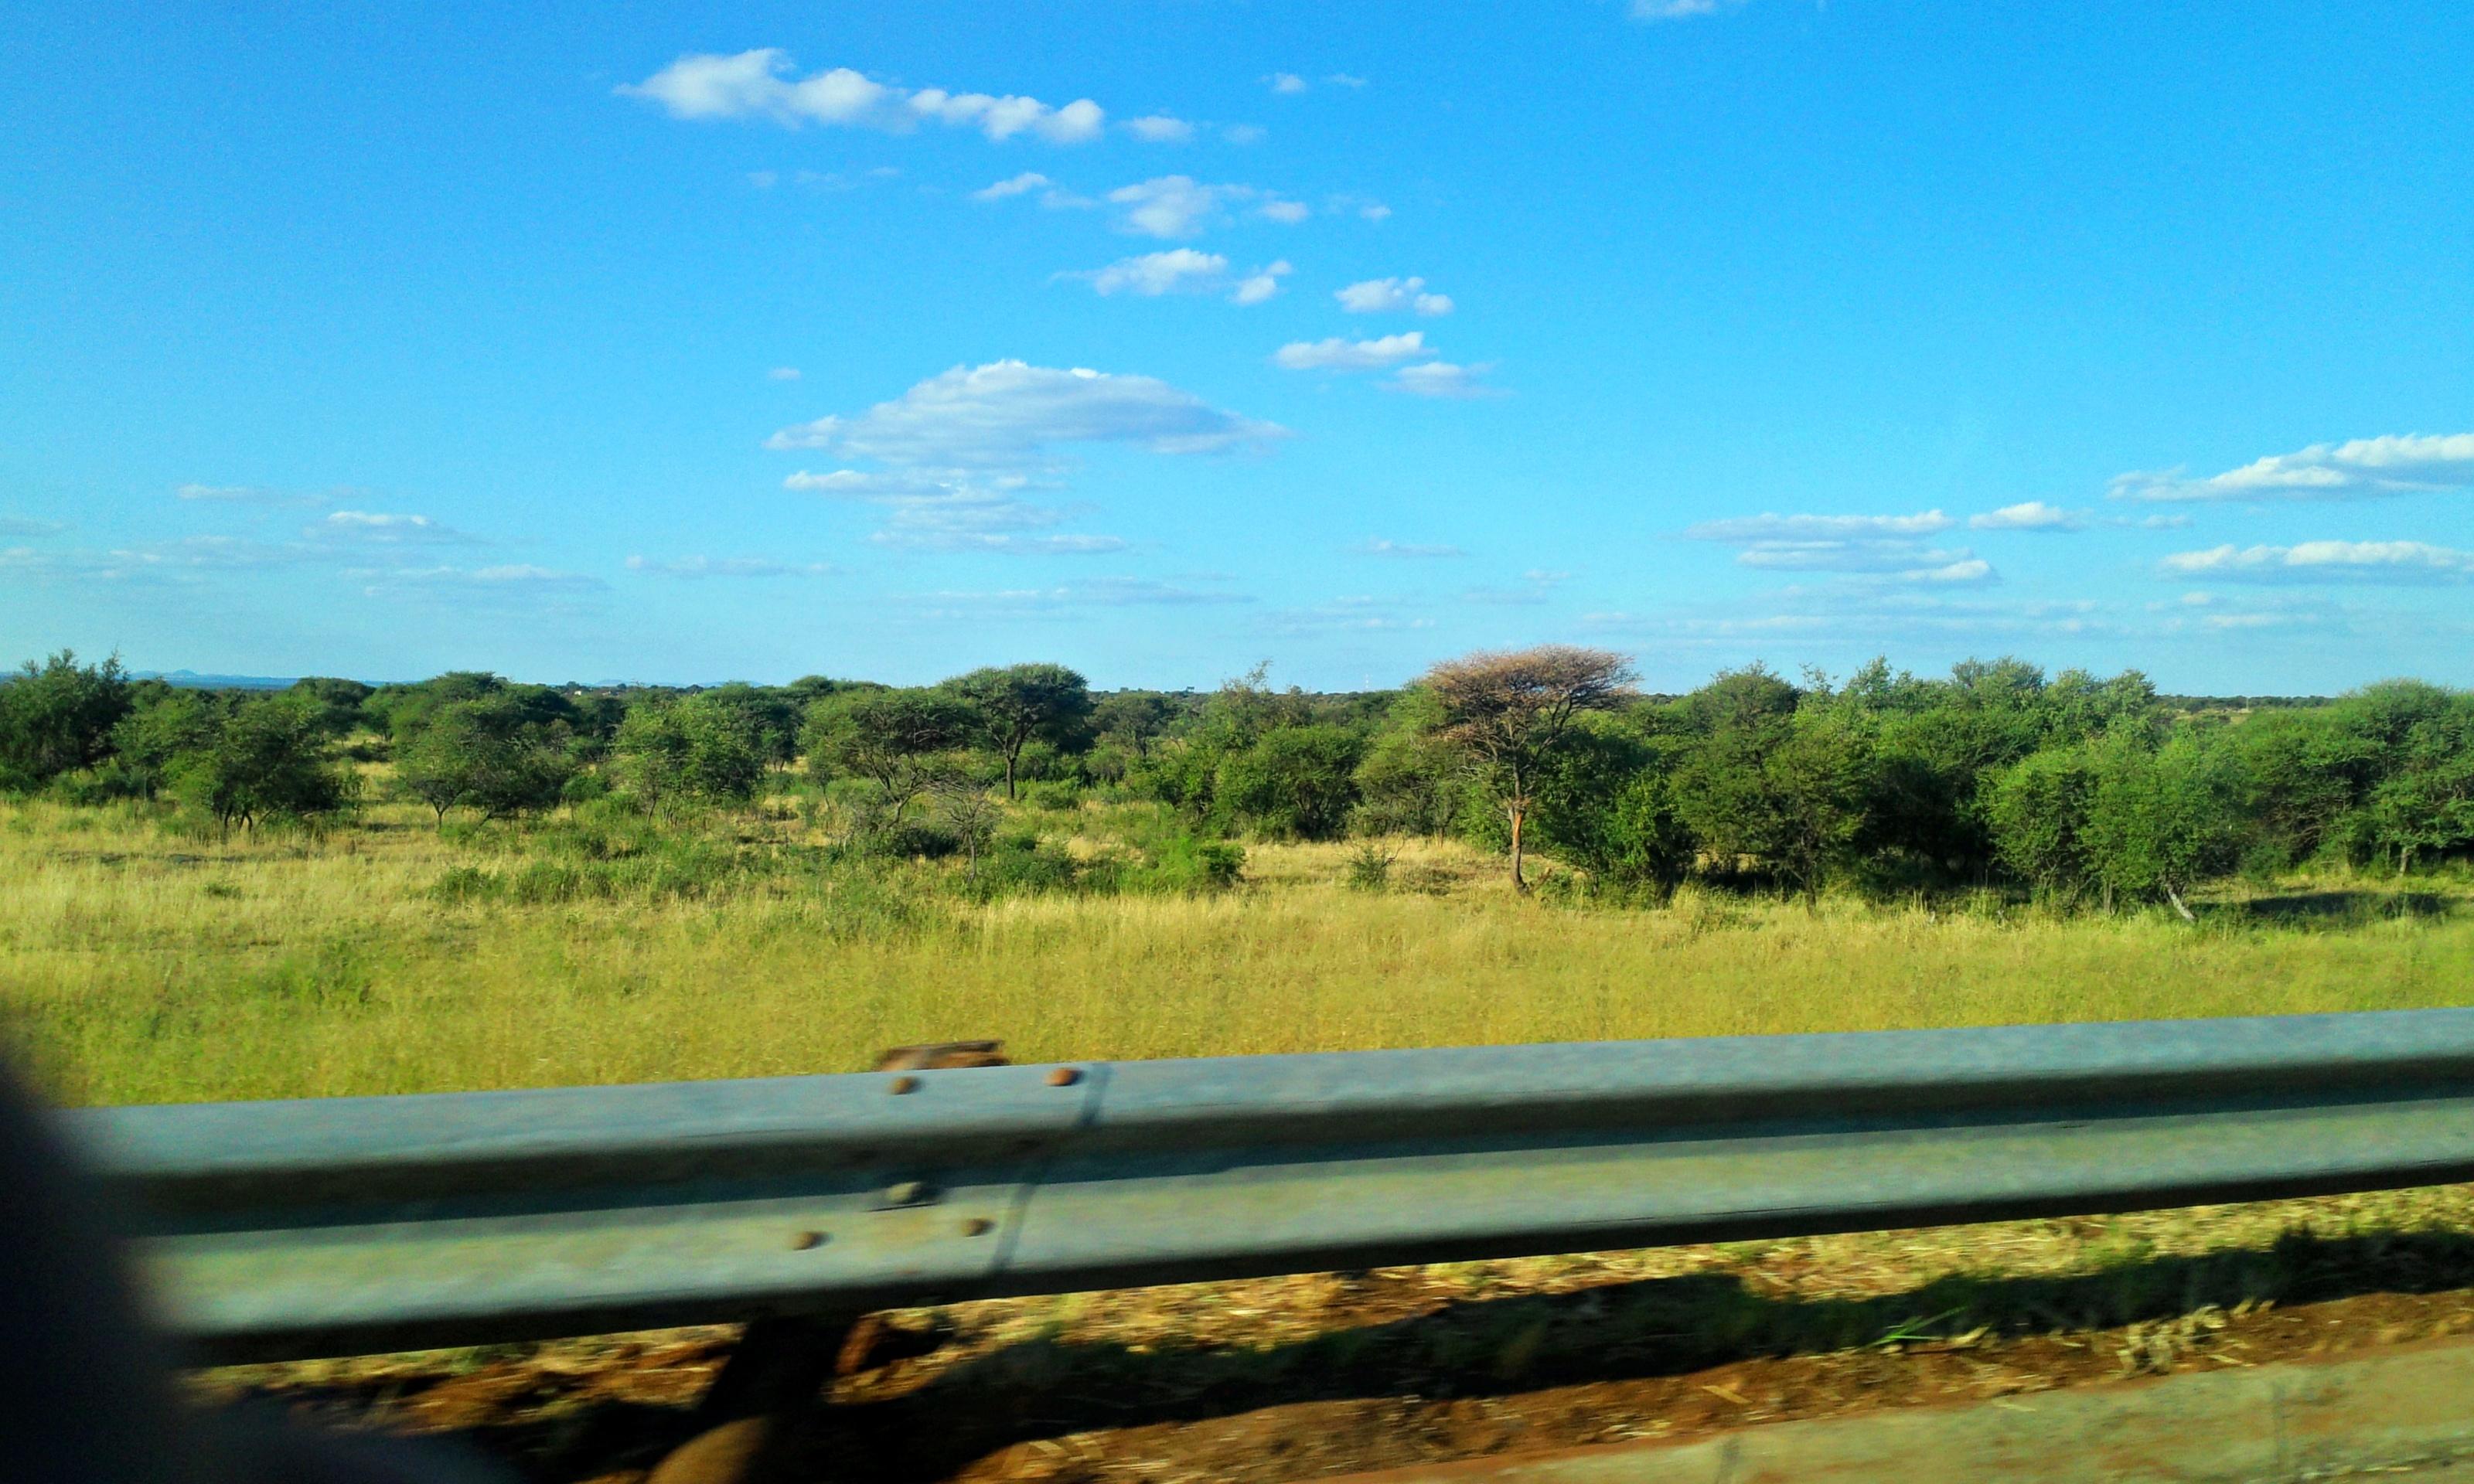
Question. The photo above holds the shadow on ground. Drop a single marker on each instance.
(1049, 1388)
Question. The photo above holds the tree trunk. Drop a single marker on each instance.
(1009, 760)
(1519, 812)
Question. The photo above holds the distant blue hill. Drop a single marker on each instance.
(191, 680)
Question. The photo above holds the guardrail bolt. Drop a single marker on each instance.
(977, 1225)
(905, 1085)
(1064, 1076)
(805, 1241)
(906, 1192)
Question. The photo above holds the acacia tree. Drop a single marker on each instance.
(1509, 711)
(1016, 703)
(896, 738)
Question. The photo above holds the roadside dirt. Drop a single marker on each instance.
(1339, 1373)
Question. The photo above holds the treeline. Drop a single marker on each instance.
(2070, 786)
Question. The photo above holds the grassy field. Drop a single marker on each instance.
(139, 965)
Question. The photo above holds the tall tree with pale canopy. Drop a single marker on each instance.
(1509, 711)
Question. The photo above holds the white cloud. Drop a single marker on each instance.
(1386, 549)
(1167, 206)
(761, 83)
(726, 567)
(2028, 515)
(1242, 133)
(1360, 613)
(245, 495)
(1009, 414)
(950, 512)
(1884, 547)
(1443, 379)
(2363, 469)
(1158, 128)
(1392, 295)
(2326, 562)
(1178, 271)
(1286, 82)
(1768, 527)
(1261, 284)
(513, 583)
(1679, 10)
(1065, 597)
(783, 373)
(370, 528)
(1343, 80)
(1004, 543)
(1015, 185)
(1374, 211)
(1337, 354)
(1172, 206)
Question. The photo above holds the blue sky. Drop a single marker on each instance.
(1164, 336)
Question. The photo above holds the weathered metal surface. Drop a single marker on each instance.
(293, 1228)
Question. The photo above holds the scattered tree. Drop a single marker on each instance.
(900, 740)
(1509, 711)
(1017, 703)
(56, 717)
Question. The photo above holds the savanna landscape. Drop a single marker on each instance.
(474, 883)
(471, 883)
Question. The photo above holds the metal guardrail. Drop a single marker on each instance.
(350, 1225)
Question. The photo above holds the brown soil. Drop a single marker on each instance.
(1338, 1373)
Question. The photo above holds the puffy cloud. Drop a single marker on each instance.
(1158, 128)
(2028, 515)
(1384, 549)
(1343, 80)
(1393, 295)
(761, 83)
(2326, 562)
(1167, 206)
(1242, 133)
(1173, 206)
(1285, 82)
(1178, 271)
(1183, 271)
(1016, 185)
(783, 373)
(963, 447)
(2366, 468)
(1337, 354)
(1010, 413)
(1442, 379)
(1261, 284)
(726, 567)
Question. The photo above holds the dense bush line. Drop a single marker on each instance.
(2071, 787)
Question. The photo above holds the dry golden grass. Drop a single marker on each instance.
(136, 967)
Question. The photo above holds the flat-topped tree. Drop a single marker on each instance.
(1509, 711)
(1016, 703)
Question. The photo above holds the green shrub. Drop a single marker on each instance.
(1370, 867)
(464, 884)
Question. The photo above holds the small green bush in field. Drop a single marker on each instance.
(1370, 868)
(467, 884)
(1057, 794)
